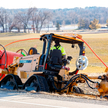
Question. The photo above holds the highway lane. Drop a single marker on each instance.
(26, 100)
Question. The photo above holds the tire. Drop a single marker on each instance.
(32, 51)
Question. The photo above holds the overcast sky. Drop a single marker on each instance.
(52, 4)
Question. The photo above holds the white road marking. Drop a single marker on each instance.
(33, 103)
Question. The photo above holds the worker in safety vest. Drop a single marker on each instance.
(59, 47)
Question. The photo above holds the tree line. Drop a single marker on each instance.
(21, 19)
(84, 17)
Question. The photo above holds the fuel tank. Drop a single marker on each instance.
(8, 57)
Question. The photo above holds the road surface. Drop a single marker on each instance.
(15, 99)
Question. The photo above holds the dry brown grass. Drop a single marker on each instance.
(98, 42)
(15, 36)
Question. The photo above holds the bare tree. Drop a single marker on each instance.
(48, 20)
(15, 24)
(63, 23)
(24, 17)
(3, 19)
(94, 24)
(42, 16)
(83, 23)
(39, 18)
(107, 22)
(72, 16)
(10, 22)
(34, 17)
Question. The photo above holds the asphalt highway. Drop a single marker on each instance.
(15, 99)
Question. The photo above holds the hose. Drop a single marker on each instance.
(70, 81)
(73, 80)
(86, 78)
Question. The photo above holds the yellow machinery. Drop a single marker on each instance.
(38, 72)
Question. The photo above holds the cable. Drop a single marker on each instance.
(73, 80)
(70, 81)
(93, 51)
(19, 41)
(86, 78)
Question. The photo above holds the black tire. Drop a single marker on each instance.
(34, 51)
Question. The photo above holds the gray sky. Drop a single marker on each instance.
(52, 4)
